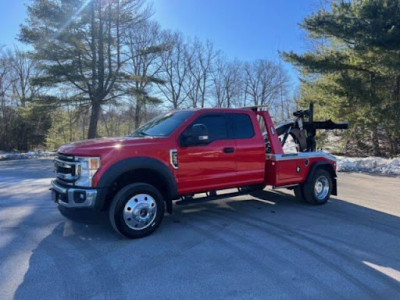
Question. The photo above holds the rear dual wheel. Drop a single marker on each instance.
(317, 190)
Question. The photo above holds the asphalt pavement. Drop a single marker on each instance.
(267, 245)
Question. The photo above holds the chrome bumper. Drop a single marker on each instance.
(73, 197)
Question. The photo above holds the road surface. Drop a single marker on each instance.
(263, 246)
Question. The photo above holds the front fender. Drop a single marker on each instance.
(137, 163)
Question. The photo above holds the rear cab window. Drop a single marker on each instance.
(241, 126)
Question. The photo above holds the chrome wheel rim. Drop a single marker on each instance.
(321, 187)
(140, 211)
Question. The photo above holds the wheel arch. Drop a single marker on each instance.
(328, 166)
(138, 169)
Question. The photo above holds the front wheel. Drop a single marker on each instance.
(137, 210)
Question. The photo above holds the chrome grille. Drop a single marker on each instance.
(65, 157)
(65, 168)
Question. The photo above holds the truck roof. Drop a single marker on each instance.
(222, 110)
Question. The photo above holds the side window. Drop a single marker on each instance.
(242, 126)
(216, 125)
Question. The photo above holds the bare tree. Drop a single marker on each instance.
(218, 80)
(263, 82)
(23, 69)
(201, 59)
(227, 83)
(5, 77)
(174, 69)
(5, 84)
(145, 49)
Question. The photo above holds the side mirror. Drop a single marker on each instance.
(195, 135)
(200, 132)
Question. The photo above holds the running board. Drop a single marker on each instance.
(289, 186)
(191, 200)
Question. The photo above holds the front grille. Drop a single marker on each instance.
(65, 157)
(65, 168)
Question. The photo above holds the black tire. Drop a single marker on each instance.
(310, 192)
(121, 211)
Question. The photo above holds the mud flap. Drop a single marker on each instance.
(334, 186)
(168, 204)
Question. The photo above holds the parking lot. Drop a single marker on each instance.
(267, 245)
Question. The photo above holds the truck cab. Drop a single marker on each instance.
(179, 155)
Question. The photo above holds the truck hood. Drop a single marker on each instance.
(97, 147)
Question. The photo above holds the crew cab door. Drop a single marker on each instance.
(208, 166)
(249, 148)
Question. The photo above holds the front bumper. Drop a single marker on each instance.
(73, 197)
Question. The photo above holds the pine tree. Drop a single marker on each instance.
(358, 66)
(79, 44)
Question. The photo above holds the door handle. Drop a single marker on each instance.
(229, 150)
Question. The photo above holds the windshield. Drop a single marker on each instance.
(163, 125)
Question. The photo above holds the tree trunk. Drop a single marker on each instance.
(94, 118)
(375, 142)
(137, 114)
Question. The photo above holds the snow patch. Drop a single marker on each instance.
(376, 165)
(27, 155)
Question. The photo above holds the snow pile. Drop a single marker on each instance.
(290, 146)
(375, 165)
(27, 155)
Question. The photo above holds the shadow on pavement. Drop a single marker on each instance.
(268, 245)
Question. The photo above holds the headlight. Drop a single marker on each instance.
(86, 169)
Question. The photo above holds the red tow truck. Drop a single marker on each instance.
(182, 153)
